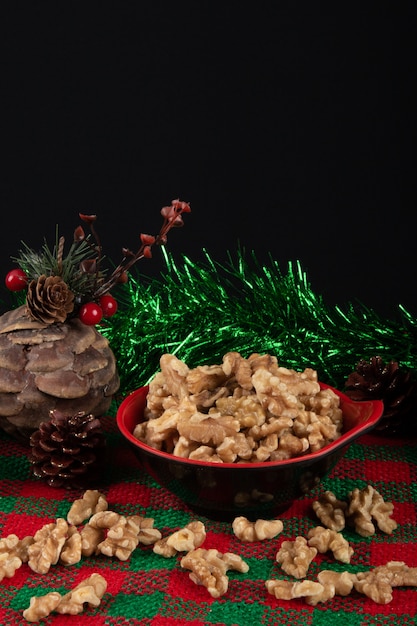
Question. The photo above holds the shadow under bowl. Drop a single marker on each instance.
(222, 491)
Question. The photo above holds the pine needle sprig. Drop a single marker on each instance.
(49, 262)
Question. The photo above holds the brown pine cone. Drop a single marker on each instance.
(377, 380)
(49, 299)
(68, 450)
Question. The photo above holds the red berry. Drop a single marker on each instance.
(16, 280)
(108, 305)
(90, 313)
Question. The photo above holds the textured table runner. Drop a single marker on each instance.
(156, 591)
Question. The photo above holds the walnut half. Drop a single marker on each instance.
(184, 540)
(256, 531)
(324, 540)
(295, 557)
(88, 592)
(209, 567)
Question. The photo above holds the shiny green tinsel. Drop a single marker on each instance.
(200, 311)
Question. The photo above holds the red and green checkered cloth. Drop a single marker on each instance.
(151, 590)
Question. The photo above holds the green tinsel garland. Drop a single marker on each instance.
(200, 311)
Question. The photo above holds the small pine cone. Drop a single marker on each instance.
(376, 380)
(49, 299)
(67, 450)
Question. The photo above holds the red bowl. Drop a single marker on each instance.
(263, 489)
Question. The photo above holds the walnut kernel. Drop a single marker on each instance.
(295, 557)
(256, 531)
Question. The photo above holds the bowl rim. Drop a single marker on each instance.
(376, 406)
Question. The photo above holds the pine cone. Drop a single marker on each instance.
(376, 380)
(67, 450)
(49, 299)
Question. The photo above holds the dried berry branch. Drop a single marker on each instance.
(172, 219)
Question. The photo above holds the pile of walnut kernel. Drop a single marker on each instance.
(92, 529)
(242, 410)
(89, 529)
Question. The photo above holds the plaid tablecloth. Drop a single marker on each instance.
(156, 591)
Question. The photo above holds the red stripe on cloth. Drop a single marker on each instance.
(370, 471)
(382, 553)
(180, 586)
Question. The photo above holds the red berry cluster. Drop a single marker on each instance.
(93, 312)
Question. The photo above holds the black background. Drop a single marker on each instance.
(288, 126)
